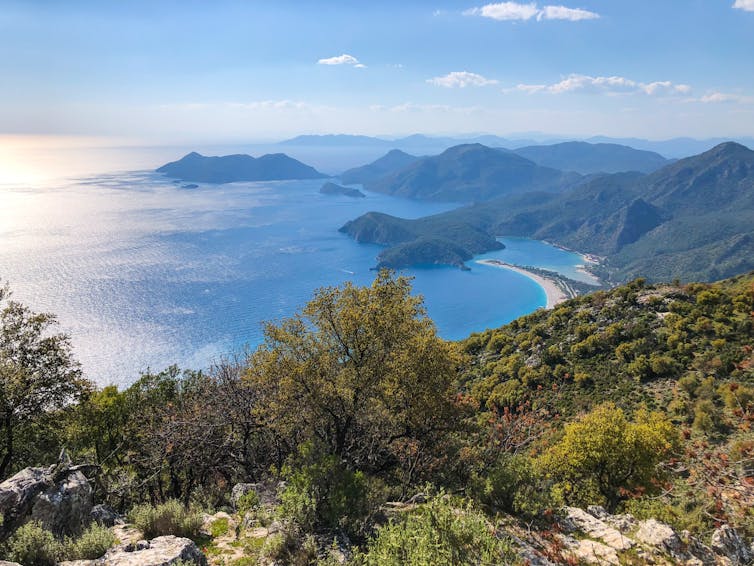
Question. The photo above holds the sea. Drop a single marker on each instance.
(143, 273)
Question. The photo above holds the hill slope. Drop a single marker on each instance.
(585, 158)
(468, 173)
(389, 163)
(691, 220)
(230, 168)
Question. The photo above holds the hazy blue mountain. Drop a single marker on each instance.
(333, 189)
(420, 142)
(391, 162)
(468, 173)
(229, 168)
(672, 148)
(690, 220)
(585, 158)
(336, 140)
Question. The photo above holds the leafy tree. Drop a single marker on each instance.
(38, 373)
(362, 372)
(603, 457)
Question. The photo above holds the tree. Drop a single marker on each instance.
(38, 373)
(362, 372)
(603, 456)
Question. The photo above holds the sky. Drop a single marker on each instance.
(192, 70)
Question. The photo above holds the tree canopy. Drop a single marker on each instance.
(361, 371)
(38, 372)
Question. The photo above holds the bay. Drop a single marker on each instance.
(143, 273)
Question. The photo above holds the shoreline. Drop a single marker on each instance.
(556, 290)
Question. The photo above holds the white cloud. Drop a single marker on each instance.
(461, 79)
(746, 5)
(563, 13)
(608, 85)
(344, 59)
(718, 97)
(511, 11)
(505, 11)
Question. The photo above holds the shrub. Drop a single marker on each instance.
(603, 456)
(443, 532)
(219, 527)
(169, 518)
(92, 543)
(322, 492)
(247, 502)
(513, 486)
(31, 545)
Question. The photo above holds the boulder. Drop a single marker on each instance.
(106, 515)
(160, 551)
(65, 508)
(6, 563)
(659, 535)
(728, 543)
(60, 497)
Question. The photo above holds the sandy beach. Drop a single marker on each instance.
(555, 293)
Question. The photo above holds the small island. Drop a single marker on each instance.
(197, 168)
(333, 189)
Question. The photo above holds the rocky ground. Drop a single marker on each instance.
(61, 499)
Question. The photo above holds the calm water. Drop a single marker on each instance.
(143, 274)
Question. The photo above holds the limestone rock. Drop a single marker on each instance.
(65, 508)
(106, 515)
(593, 527)
(654, 533)
(590, 551)
(60, 497)
(727, 542)
(6, 563)
(160, 551)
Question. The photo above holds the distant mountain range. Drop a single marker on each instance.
(474, 172)
(230, 168)
(586, 158)
(671, 148)
(692, 220)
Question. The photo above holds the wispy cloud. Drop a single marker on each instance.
(606, 85)
(344, 59)
(720, 97)
(512, 11)
(745, 5)
(461, 79)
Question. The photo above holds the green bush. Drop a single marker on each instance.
(92, 543)
(169, 518)
(31, 545)
(512, 485)
(322, 492)
(443, 532)
(247, 502)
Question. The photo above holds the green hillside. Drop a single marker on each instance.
(691, 220)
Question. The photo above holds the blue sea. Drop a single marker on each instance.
(143, 273)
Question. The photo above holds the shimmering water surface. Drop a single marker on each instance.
(143, 273)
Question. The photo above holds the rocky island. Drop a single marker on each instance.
(333, 189)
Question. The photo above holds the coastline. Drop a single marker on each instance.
(555, 289)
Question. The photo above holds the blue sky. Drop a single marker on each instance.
(179, 71)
